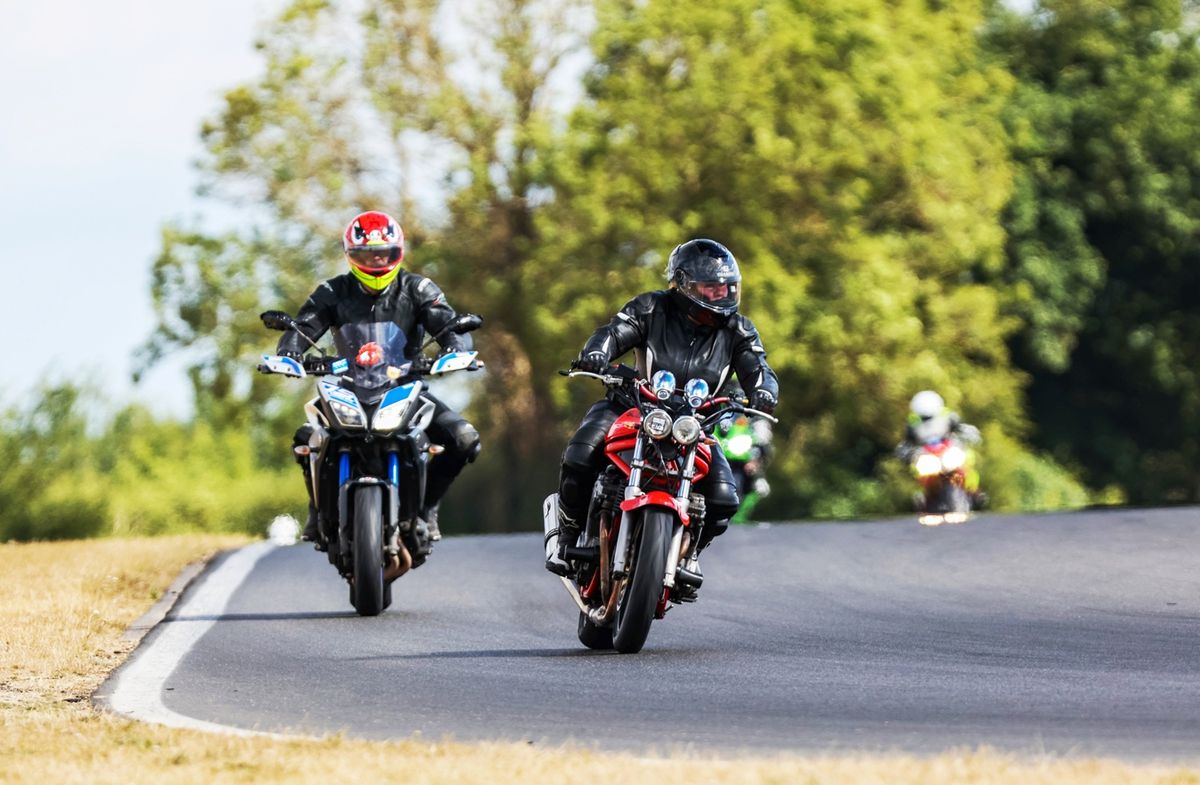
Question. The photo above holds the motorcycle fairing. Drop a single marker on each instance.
(656, 499)
(404, 393)
(396, 407)
(623, 435)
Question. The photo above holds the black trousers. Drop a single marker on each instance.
(584, 459)
(448, 429)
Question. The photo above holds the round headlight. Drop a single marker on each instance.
(657, 423)
(953, 458)
(928, 464)
(686, 430)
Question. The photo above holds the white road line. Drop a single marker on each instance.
(139, 687)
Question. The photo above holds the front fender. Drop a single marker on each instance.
(656, 499)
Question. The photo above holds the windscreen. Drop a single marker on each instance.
(375, 352)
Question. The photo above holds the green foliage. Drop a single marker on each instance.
(852, 155)
(443, 127)
(914, 207)
(1104, 255)
(135, 476)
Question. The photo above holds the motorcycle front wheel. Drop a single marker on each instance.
(592, 636)
(643, 590)
(367, 591)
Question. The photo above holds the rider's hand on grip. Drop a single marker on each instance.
(763, 401)
(592, 362)
(316, 365)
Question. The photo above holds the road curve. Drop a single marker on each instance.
(1070, 634)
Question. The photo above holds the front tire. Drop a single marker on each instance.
(643, 590)
(367, 592)
(599, 638)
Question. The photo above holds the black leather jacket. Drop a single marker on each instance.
(413, 302)
(665, 338)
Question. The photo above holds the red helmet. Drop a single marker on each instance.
(374, 245)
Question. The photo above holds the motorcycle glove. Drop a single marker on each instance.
(592, 362)
(764, 401)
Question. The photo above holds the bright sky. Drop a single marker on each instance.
(102, 106)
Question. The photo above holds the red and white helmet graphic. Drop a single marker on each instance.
(374, 245)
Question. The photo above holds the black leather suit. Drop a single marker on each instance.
(663, 337)
(416, 305)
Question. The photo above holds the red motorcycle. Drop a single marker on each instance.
(941, 467)
(637, 554)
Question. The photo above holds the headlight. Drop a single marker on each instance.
(663, 384)
(657, 423)
(388, 418)
(953, 458)
(928, 464)
(686, 430)
(348, 416)
(741, 444)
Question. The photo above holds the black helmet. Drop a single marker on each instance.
(706, 280)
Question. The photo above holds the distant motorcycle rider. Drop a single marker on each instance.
(747, 443)
(692, 329)
(930, 421)
(378, 289)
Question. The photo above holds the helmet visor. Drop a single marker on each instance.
(721, 296)
(374, 261)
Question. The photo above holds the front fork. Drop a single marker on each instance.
(678, 543)
(346, 487)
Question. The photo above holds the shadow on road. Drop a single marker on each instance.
(265, 616)
(484, 654)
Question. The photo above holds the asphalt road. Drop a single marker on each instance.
(1068, 634)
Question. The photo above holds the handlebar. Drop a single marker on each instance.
(730, 404)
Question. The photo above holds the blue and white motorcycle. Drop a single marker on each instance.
(368, 453)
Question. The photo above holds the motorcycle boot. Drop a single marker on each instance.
(564, 530)
(430, 516)
(689, 577)
(311, 531)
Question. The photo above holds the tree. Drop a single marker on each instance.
(1103, 256)
(852, 156)
(444, 126)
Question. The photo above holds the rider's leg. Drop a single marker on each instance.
(721, 498)
(461, 443)
(300, 450)
(582, 462)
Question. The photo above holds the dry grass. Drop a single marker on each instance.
(64, 607)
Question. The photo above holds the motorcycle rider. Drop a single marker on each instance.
(378, 289)
(929, 421)
(747, 442)
(692, 329)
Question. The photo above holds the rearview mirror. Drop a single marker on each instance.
(277, 320)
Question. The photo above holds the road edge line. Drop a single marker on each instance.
(135, 689)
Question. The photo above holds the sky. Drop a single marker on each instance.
(102, 109)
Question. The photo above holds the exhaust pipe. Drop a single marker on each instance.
(550, 529)
(398, 564)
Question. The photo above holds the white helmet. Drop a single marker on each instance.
(927, 404)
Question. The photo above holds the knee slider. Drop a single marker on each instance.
(303, 434)
(300, 446)
(466, 440)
